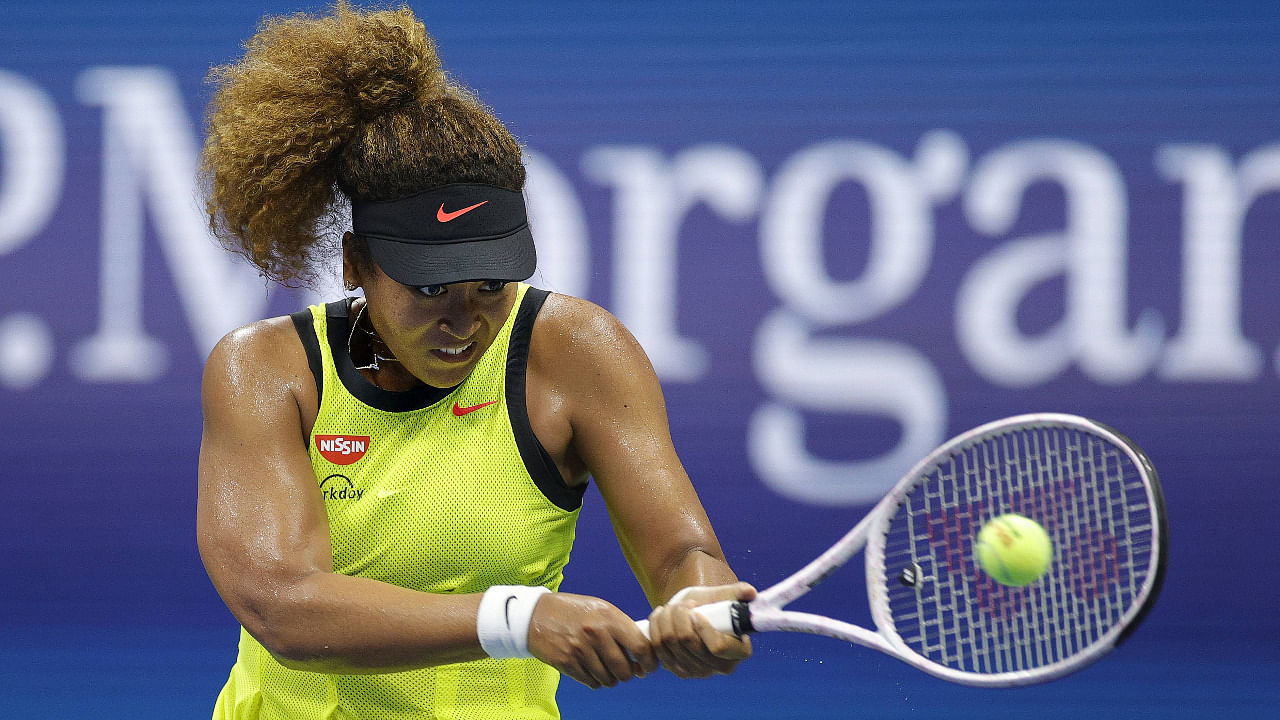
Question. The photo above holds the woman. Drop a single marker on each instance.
(389, 484)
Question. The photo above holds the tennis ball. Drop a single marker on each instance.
(1013, 550)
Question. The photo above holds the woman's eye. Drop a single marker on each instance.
(432, 290)
(493, 285)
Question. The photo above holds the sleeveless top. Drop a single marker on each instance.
(441, 490)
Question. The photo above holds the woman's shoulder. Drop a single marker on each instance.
(573, 323)
(265, 351)
(256, 342)
(573, 335)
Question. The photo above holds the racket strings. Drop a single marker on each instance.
(1087, 494)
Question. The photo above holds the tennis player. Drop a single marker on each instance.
(389, 484)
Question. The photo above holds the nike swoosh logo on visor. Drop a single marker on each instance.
(445, 217)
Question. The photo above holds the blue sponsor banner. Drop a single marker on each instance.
(843, 232)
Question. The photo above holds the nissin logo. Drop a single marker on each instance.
(342, 449)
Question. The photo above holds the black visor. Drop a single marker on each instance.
(455, 233)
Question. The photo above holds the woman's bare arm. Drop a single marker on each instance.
(617, 425)
(264, 536)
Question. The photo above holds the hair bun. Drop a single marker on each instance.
(387, 61)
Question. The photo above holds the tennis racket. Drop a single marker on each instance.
(1093, 491)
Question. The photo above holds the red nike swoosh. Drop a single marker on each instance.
(460, 411)
(444, 217)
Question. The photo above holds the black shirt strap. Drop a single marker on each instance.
(537, 460)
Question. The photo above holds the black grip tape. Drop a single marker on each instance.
(740, 617)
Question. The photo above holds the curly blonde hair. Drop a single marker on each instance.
(322, 109)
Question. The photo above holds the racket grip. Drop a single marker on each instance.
(728, 616)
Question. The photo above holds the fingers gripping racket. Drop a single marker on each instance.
(1093, 491)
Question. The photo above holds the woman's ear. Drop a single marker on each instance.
(350, 268)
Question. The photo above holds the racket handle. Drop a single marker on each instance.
(728, 616)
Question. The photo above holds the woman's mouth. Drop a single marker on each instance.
(455, 355)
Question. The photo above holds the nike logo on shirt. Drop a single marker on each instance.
(460, 411)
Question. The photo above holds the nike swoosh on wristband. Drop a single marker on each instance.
(445, 217)
(506, 610)
(460, 411)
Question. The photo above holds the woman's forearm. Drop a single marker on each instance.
(327, 622)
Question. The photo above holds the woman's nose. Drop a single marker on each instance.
(460, 317)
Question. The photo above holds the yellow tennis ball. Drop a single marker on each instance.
(1013, 550)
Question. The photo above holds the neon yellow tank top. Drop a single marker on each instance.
(438, 490)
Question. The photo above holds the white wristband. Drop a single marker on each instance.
(503, 620)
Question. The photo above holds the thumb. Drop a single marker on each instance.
(744, 592)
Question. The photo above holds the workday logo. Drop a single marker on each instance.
(339, 487)
(342, 449)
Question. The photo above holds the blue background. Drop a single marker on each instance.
(107, 609)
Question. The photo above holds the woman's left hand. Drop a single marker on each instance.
(685, 642)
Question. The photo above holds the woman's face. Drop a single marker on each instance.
(438, 332)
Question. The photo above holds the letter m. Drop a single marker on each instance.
(149, 156)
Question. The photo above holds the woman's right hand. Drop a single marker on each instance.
(589, 640)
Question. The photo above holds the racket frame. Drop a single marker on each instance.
(765, 613)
